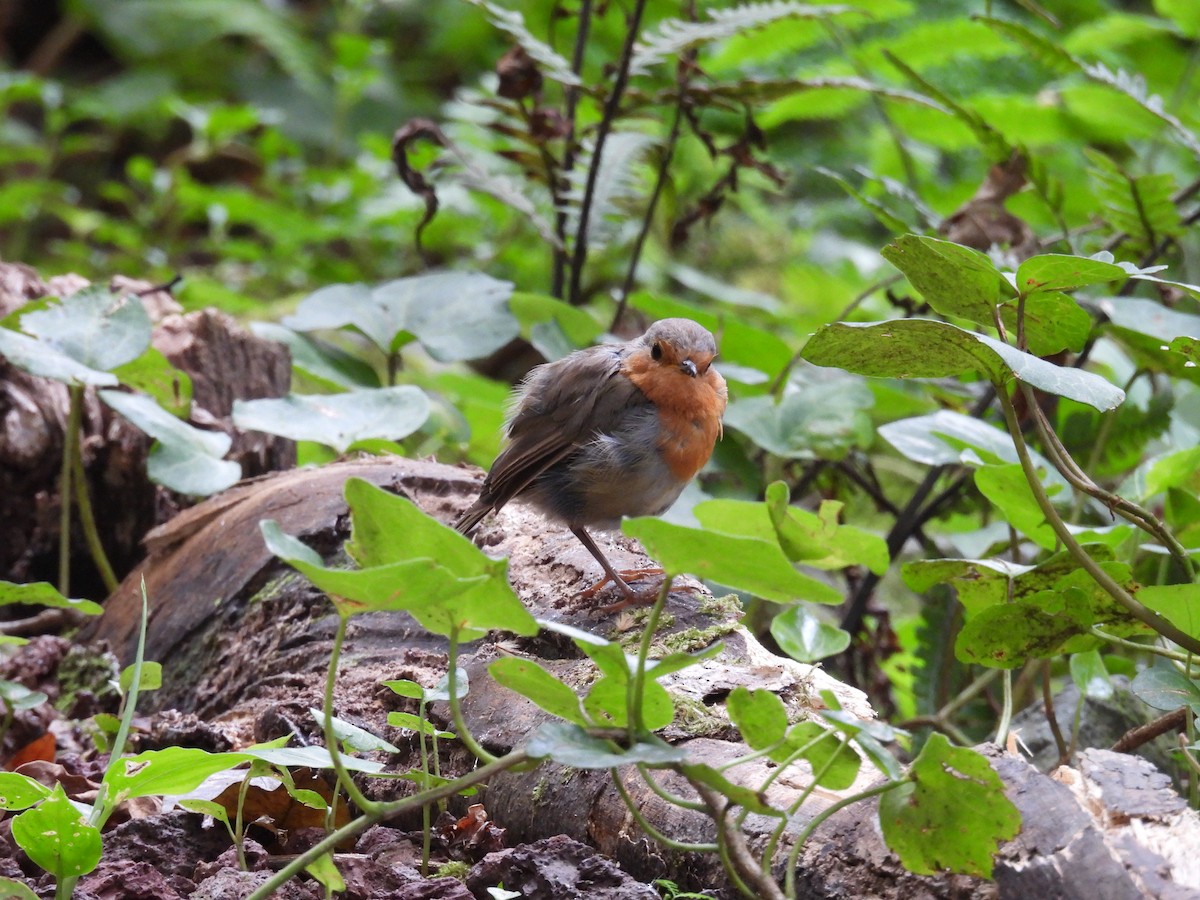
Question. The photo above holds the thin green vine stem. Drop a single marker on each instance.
(637, 686)
(339, 767)
(662, 792)
(768, 854)
(1106, 581)
(87, 521)
(380, 812)
(1080, 480)
(736, 859)
(649, 829)
(460, 724)
(789, 883)
(70, 445)
(1164, 652)
(1006, 710)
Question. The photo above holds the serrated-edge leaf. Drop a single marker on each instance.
(674, 36)
(512, 23)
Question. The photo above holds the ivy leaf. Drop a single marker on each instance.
(337, 420)
(1007, 488)
(1177, 603)
(922, 348)
(953, 815)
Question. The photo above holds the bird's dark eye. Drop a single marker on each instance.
(656, 350)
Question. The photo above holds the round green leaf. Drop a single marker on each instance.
(805, 638)
(40, 359)
(94, 327)
(759, 715)
(954, 280)
(1056, 272)
(337, 420)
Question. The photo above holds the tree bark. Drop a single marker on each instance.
(224, 362)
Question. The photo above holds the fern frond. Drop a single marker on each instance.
(616, 184)
(1141, 206)
(1134, 87)
(512, 23)
(674, 36)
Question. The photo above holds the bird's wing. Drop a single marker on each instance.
(562, 406)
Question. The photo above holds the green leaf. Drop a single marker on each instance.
(942, 438)
(1179, 604)
(817, 539)
(455, 315)
(418, 586)
(15, 695)
(152, 373)
(324, 871)
(953, 815)
(405, 688)
(417, 724)
(1053, 322)
(94, 327)
(532, 681)
(1006, 635)
(57, 837)
(1055, 272)
(1166, 688)
(40, 593)
(922, 348)
(756, 566)
(759, 715)
(1007, 488)
(954, 280)
(20, 791)
(172, 771)
(387, 528)
(150, 679)
(36, 358)
(352, 736)
(675, 36)
(980, 583)
(821, 420)
(10, 889)
(553, 327)
(1091, 675)
(834, 764)
(207, 808)
(570, 745)
(1175, 470)
(804, 637)
(185, 459)
(337, 420)
(739, 795)
(330, 366)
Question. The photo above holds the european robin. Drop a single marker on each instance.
(610, 431)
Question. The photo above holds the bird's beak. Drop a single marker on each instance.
(688, 368)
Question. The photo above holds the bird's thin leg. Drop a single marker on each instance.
(610, 573)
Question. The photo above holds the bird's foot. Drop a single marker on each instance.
(622, 583)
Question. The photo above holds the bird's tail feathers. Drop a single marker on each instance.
(466, 523)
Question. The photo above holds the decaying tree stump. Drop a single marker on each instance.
(224, 361)
(244, 642)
